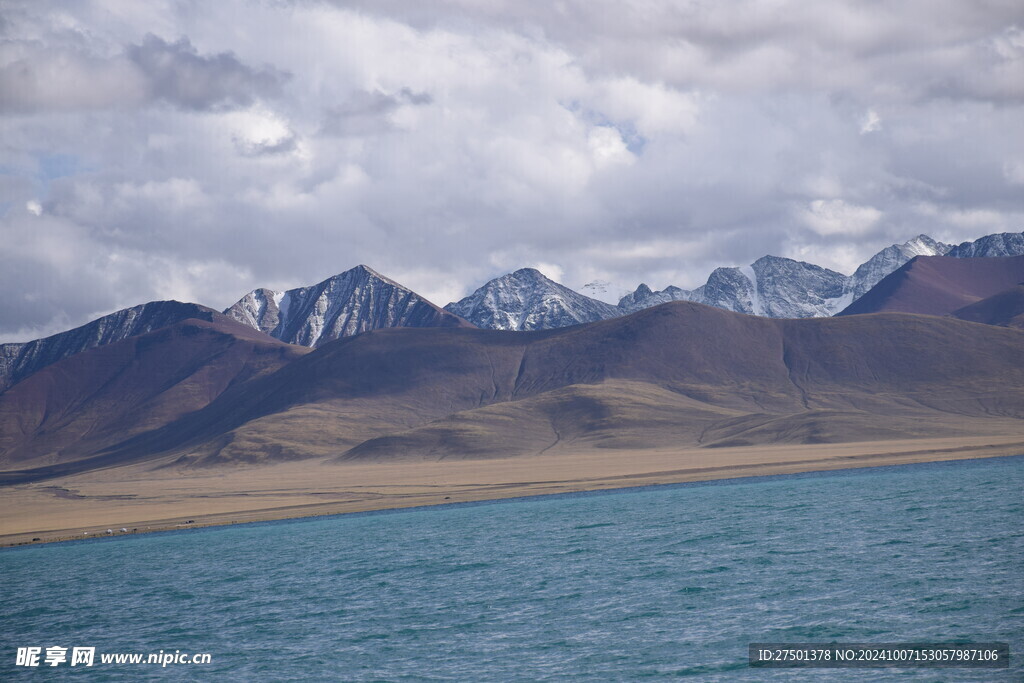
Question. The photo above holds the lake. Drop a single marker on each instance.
(657, 582)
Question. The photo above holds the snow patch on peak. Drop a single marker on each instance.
(755, 298)
(923, 245)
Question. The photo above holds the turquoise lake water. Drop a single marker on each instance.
(658, 582)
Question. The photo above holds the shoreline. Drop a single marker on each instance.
(428, 490)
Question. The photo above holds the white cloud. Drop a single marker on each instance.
(259, 132)
(607, 147)
(623, 141)
(653, 108)
(550, 270)
(837, 217)
(870, 123)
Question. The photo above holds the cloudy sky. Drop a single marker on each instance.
(196, 150)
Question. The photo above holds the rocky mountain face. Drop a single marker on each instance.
(785, 288)
(18, 361)
(527, 300)
(355, 301)
(728, 288)
(259, 309)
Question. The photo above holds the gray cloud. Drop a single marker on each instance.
(44, 78)
(177, 74)
(620, 141)
(366, 113)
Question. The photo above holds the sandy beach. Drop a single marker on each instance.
(143, 499)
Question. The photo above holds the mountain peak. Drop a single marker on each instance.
(528, 274)
(354, 301)
(769, 258)
(923, 245)
(364, 269)
(526, 299)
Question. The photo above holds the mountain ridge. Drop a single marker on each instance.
(20, 360)
(680, 373)
(778, 287)
(361, 299)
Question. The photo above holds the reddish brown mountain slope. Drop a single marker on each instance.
(76, 407)
(1005, 309)
(939, 285)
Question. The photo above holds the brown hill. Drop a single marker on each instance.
(939, 285)
(678, 373)
(78, 406)
(1005, 309)
(731, 380)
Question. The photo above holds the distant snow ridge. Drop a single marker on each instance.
(643, 297)
(527, 300)
(771, 286)
(352, 302)
(778, 287)
(1002, 244)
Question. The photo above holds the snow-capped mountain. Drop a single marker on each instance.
(1002, 244)
(784, 288)
(771, 286)
(778, 287)
(18, 361)
(355, 301)
(527, 300)
(871, 272)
